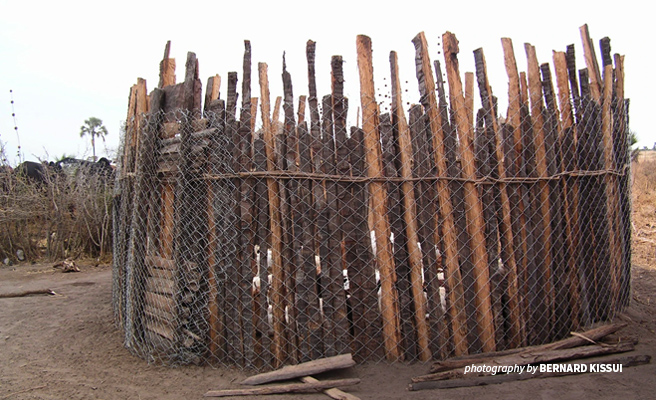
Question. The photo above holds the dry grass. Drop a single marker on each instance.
(644, 211)
(67, 216)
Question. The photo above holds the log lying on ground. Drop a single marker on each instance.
(27, 293)
(332, 392)
(568, 343)
(291, 388)
(535, 357)
(629, 361)
(303, 369)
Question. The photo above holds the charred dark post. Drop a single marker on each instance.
(453, 279)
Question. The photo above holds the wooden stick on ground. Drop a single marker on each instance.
(332, 392)
(574, 341)
(303, 369)
(532, 358)
(290, 388)
(630, 361)
(25, 293)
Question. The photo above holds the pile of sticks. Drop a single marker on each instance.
(456, 372)
(303, 372)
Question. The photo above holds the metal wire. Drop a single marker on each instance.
(423, 234)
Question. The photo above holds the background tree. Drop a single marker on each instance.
(93, 127)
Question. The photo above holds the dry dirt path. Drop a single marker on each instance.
(67, 347)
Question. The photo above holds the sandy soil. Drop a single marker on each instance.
(67, 346)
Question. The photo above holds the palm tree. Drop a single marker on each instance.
(93, 127)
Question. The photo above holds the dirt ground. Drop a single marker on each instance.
(67, 346)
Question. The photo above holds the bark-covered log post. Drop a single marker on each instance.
(454, 289)
(475, 223)
(277, 272)
(378, 193)
(410, 211)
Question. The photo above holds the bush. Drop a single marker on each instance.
(68, 215)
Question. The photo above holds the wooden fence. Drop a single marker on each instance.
(411, 236)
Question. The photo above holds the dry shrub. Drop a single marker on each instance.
(644, 181)
(644, 212)
(68, 215)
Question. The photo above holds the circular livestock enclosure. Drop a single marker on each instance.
(331, 227)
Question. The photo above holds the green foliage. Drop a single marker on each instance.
(93, 127)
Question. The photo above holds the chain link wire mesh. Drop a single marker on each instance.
(418, 234)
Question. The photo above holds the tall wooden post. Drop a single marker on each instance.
(475, 223)
(410, 210)
(277, 279)
(455, 292)
(378, 193)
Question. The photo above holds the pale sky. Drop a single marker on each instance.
(68, 60)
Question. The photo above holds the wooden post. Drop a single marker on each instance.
(562, 314)
(391, 166)
(231, 104)
(426, 198)
(545, 314)
(212, 90)
(262, 234)
(167, 68)
(254, 101)
(568, 140)
(218, 163)
(611, 181)
(622, 152)
(364, 290)
(339, 155)
(475, 223)
(591, 63)
(469, 97)
(301, 109)
(277, 279)
(378, 192)
(246, 265)
(516, 168)
(456, 301)
(410, 211)
(505, 226)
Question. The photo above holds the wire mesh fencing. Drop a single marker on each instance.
(417, 234)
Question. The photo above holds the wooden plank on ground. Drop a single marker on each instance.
(290, 388)
(533, 357)
(628, 361)
(332, 393)
(580, 339)
(303, 369)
